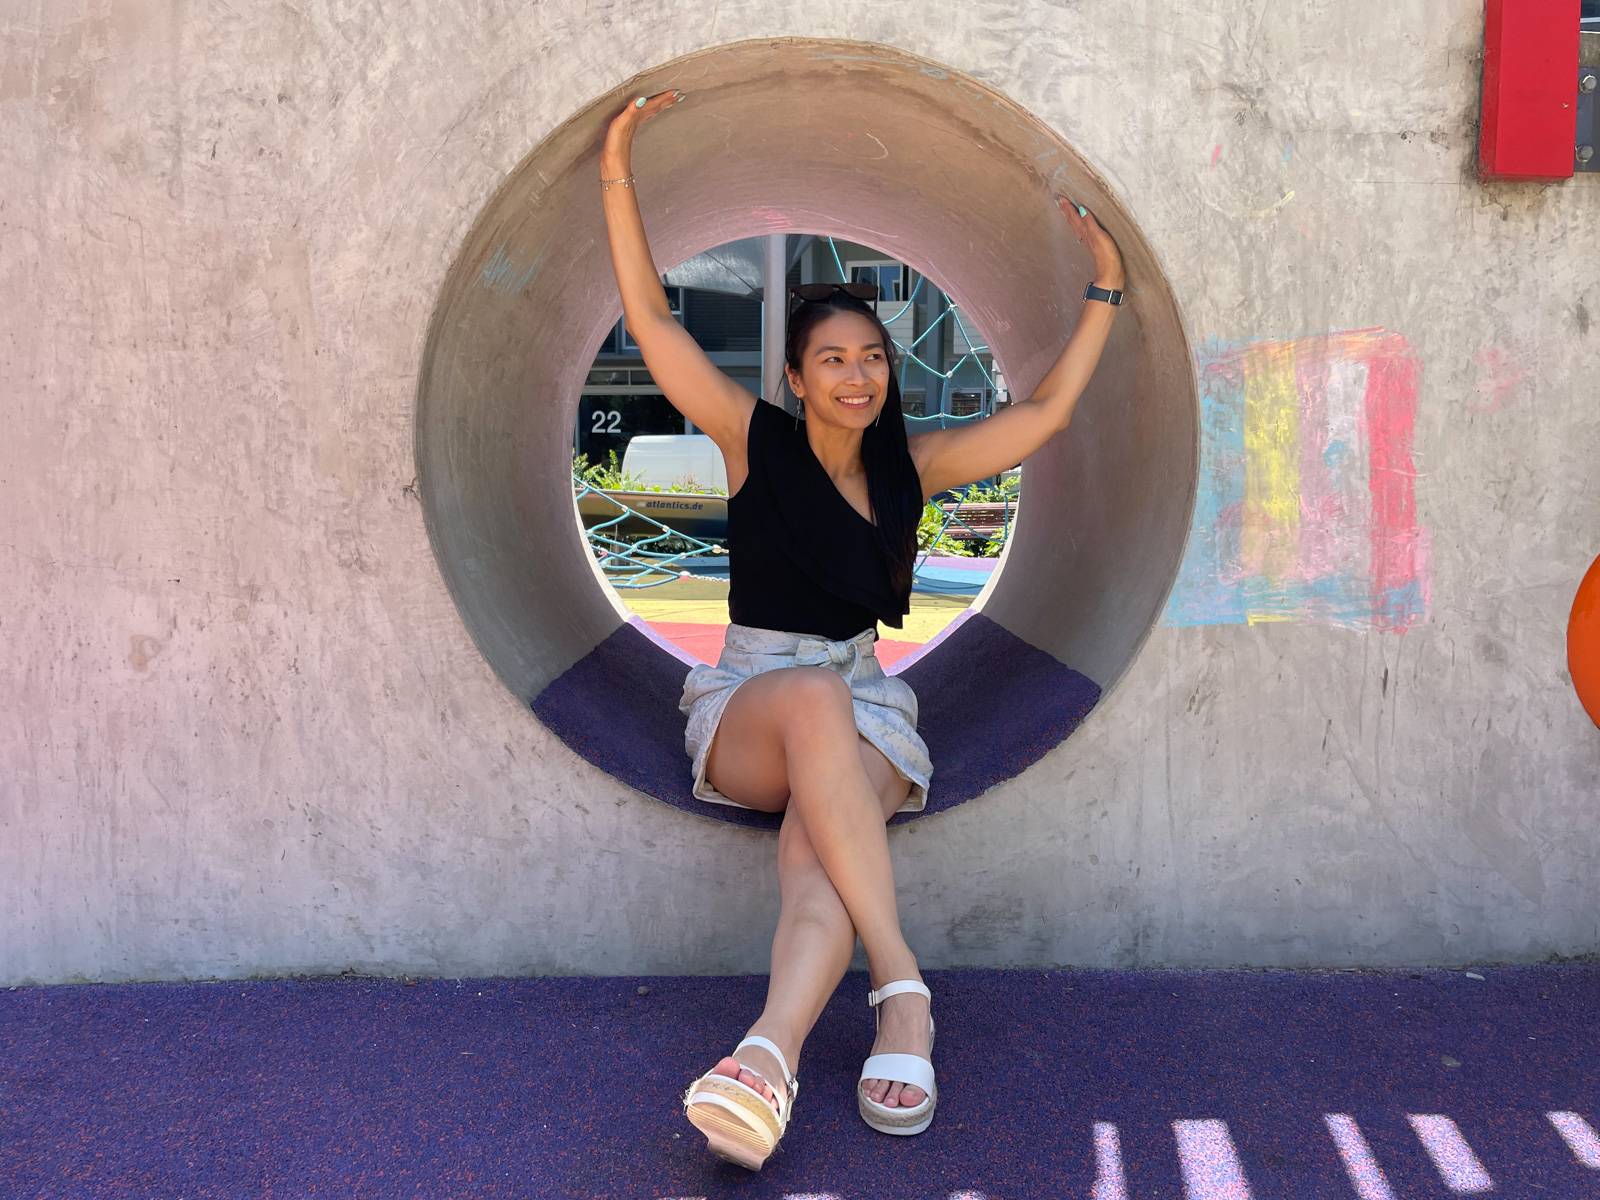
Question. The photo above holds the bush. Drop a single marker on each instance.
(609, 477)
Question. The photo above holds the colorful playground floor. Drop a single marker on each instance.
(1093, 1085)
(692, 614)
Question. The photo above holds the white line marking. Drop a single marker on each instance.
(1365, 1174)
(1109, 1183)
(1458, 1165)
(1579, 1135)
(1211, 1166)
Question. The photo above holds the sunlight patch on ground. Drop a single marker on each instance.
(705, 602)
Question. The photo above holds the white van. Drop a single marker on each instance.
(666, 459)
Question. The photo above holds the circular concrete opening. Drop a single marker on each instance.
(873, 145)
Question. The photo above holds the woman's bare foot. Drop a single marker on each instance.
(902, 1029)
(759, 1067)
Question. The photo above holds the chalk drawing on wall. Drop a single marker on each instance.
(1306, 509)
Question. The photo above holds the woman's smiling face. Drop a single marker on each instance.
(844, 372)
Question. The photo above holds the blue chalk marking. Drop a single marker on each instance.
(1210, 589)
(504, 277)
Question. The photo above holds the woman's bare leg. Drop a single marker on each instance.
(786, 745)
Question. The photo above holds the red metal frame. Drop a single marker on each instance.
(1530, 65)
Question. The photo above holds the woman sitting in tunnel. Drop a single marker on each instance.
(822, 536)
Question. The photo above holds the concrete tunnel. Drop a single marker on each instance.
(879, 147)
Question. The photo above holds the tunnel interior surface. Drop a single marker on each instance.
(877, 146)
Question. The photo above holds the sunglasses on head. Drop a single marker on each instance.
(821, 291)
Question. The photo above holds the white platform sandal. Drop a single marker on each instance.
(902, 1068)
(738, 1121)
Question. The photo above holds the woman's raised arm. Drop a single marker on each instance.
(948, 458)
(689, 379)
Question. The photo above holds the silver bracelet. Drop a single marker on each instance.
(605, 184)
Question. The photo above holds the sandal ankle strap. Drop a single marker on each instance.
(896, 988)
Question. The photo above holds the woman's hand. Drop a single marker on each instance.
(1107, 258)
(615, 156)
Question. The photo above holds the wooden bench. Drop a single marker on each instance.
(987, 520)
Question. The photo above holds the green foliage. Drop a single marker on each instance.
(1007, 489)
(609, 477)
(606, 476)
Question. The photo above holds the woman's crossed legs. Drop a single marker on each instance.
(787, 742)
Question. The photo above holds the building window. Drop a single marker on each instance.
(966, 404)
(675, 298)
(893, 279)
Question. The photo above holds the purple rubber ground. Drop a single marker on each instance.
(991, 706)
(569, 1087)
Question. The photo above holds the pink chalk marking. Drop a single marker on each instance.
(1398, 550)
(1216, 153)
(1319, 506)
(1330, 380)
(1347, 448)
(1501, 379)
(777, 221)
(1366, 1176)
(1109, 1181)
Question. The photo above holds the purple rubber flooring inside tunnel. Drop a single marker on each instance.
(990, 704)
(1091, 1085)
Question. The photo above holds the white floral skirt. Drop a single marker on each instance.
(885, 706)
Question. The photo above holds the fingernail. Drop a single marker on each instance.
(1082, 211)
(639, 103)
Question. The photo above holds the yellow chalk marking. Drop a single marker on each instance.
(1270, 539)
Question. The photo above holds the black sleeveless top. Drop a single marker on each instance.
(801, 559)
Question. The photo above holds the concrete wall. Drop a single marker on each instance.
(243, 729)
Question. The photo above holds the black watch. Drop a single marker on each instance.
(1099, 293)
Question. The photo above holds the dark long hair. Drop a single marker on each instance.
(893, 487)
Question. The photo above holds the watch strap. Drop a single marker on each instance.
(1109, 295)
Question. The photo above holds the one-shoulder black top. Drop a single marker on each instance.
(801, 559)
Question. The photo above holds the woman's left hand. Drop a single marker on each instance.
(1108, 271)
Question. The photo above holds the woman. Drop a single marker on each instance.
(798, 717)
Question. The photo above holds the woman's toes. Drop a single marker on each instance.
(893, 1095)
(751, 1079)
(728, 1066)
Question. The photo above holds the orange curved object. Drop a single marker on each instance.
(1583, 642)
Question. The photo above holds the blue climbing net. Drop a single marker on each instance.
(665, 554)
(659, 557)
(908, 353)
